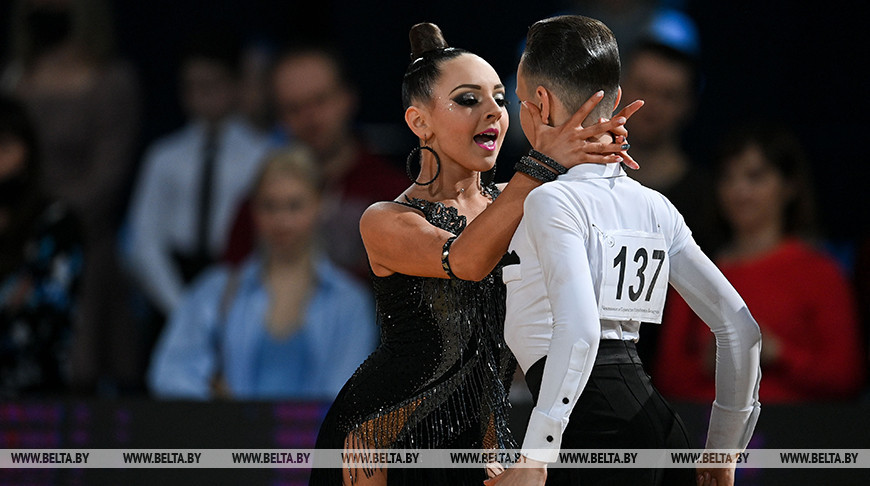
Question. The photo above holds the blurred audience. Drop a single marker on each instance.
(801, 298)
(192, 180)
(40, 268)
(255, 102)
(662, 69)
(285, 323)
(667, 79)
(85, 103)
(633, 21)
(861, 277)
(315, 104)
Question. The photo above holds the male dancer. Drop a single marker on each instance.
(597, 251)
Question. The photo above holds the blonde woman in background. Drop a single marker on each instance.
(285, 323)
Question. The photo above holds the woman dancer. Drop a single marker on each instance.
(440, 377)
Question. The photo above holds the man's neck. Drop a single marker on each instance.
(588, 122)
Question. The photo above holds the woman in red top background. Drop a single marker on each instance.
(799, 295)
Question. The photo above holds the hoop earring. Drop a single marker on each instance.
(414, 152)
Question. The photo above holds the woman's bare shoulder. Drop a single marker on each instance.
(389, 214)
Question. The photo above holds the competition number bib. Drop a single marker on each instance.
(634, 276)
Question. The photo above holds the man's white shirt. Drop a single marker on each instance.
(597, 250)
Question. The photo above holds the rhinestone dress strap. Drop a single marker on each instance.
(442, 216)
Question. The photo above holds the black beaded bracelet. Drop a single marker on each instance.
(445, 253)
(529, 167)
(559, 168)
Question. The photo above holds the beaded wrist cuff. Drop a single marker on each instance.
(528, 166)
(559, 168)
(445, 253)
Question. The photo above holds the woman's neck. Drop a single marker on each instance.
(465, 193)
(290, 281)
(277, 262)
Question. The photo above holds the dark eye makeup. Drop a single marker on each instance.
(470, 99)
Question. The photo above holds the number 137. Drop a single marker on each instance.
(641, 257)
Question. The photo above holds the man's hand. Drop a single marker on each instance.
(493, 469)
(529, 472)
(569, 143)
(716, 476)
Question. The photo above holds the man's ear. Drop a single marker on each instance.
(546, 104)
(618, 98)
(417, 122)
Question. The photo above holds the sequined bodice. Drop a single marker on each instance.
(450, 329)
(416, 312)
(455, 312)
(440, 377)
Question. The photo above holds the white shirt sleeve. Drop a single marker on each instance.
(558, 240)
(738, 346)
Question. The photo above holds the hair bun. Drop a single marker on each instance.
(425, 37)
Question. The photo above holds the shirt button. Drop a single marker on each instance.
(565, 400)
(549, 438)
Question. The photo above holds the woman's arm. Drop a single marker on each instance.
(398, 239)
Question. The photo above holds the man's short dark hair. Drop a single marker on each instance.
(573, 56)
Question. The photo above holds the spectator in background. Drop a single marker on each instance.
(192, 180)
(635, 23)
(861, 277)
(800, 297)
(662, 69)
(85, 104)
(315, 104)
(629, 20)
(667, 79)
(286, 323)
(40, 268)
(256, 67)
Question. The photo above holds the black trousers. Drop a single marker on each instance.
(618, 409)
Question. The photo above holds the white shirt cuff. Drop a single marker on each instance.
(543, 437)
(731, 429)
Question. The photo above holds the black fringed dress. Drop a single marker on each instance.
(438, 380)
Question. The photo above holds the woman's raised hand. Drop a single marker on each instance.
(569, 142)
